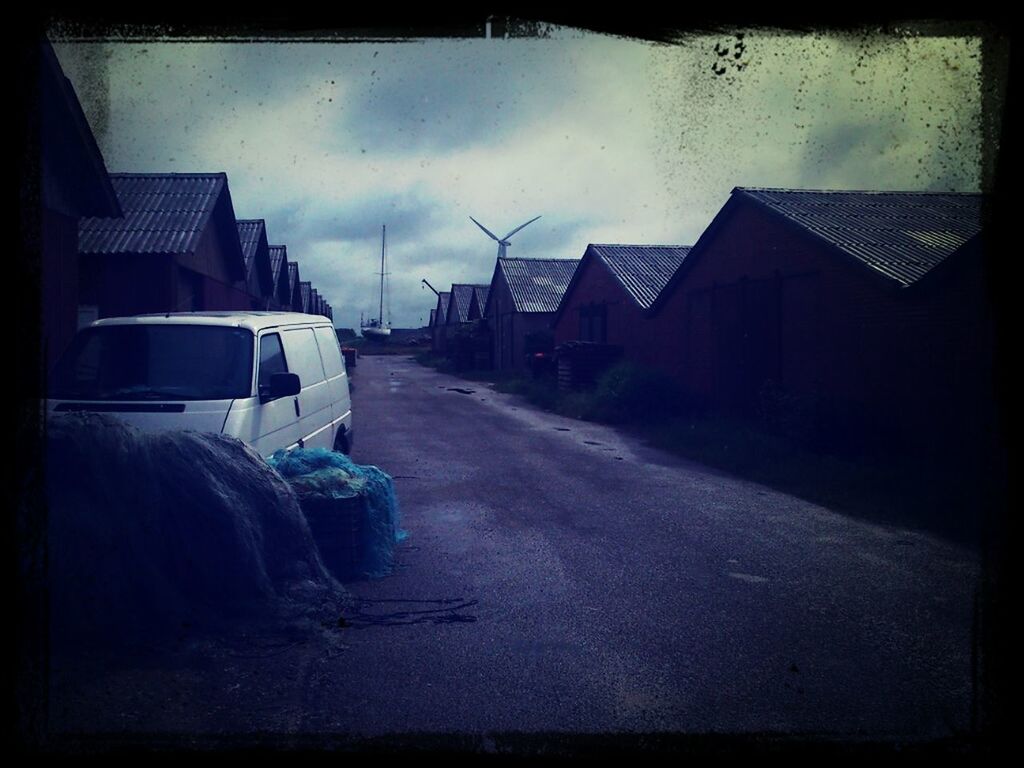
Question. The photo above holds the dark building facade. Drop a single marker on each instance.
(438, 331)
(176, 249)
(295, 301)
(521, 302)
(280, 277)
(74, 183)
(259, 278)
(609, 298)
(868, 308)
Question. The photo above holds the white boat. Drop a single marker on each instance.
(376, 328)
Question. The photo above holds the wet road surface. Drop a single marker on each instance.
(561, 577)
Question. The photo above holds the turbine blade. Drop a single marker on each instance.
(485, 229)
(506, 237)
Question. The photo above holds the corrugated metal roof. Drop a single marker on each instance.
(293, 275)
(901, 235)
(249, 231)
(480, 294)
(537, 285)
(461, 294)
(442, 307)
(163, 213)
(643, 270)
(304, 290)
(278, 257)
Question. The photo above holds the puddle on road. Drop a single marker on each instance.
(461, 391)
(398, 612)
(749, 578)
(591, 442)
(562, 429)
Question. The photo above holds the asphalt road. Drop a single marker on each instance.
(559, 576)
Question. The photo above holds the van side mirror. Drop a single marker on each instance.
(281, 385)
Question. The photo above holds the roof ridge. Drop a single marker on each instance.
(639, 245)
(798, 190)
(159, 175)
(542, 258)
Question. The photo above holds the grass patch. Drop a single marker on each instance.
(891, 489)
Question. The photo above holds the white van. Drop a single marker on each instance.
(273, 379)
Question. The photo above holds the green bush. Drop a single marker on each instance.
(628, 392)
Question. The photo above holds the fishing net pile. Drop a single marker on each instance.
(151, 532)
(352, 509)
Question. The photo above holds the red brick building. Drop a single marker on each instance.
(868, 307)
(610, 296)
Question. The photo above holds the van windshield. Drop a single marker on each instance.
(156, 362)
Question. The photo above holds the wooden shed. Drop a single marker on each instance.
(466, 340)
(280, 277)
(73, 183)
(176, 248)
(295, 302)
(867, 309)
(440, 312)
(609, 298)
(521, 303)
(259, 279)
(477, 302)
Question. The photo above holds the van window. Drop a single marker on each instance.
(330, 351)
(153, 362)
(271, 358)
(303, 355)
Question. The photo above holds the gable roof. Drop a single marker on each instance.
(73, 176)
(280, 273)
(643, 271)
(293, 281)
(478, 301)
(304, 292)
(164, 213)
(458, 304)
(900, 235)
(252, 233)
(249, 231)
(442, 307)
(536, 285)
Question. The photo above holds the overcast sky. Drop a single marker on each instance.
(608, 139)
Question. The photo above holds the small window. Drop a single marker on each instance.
(303, 355)
(271, 358)
(330, 351)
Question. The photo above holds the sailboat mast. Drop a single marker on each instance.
(383, 234)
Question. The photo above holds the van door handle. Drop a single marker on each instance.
(297, 414)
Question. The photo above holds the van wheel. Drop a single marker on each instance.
(341, 442)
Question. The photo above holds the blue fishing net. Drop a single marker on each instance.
(318, 472)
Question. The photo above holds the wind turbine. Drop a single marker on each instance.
(503, 242)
